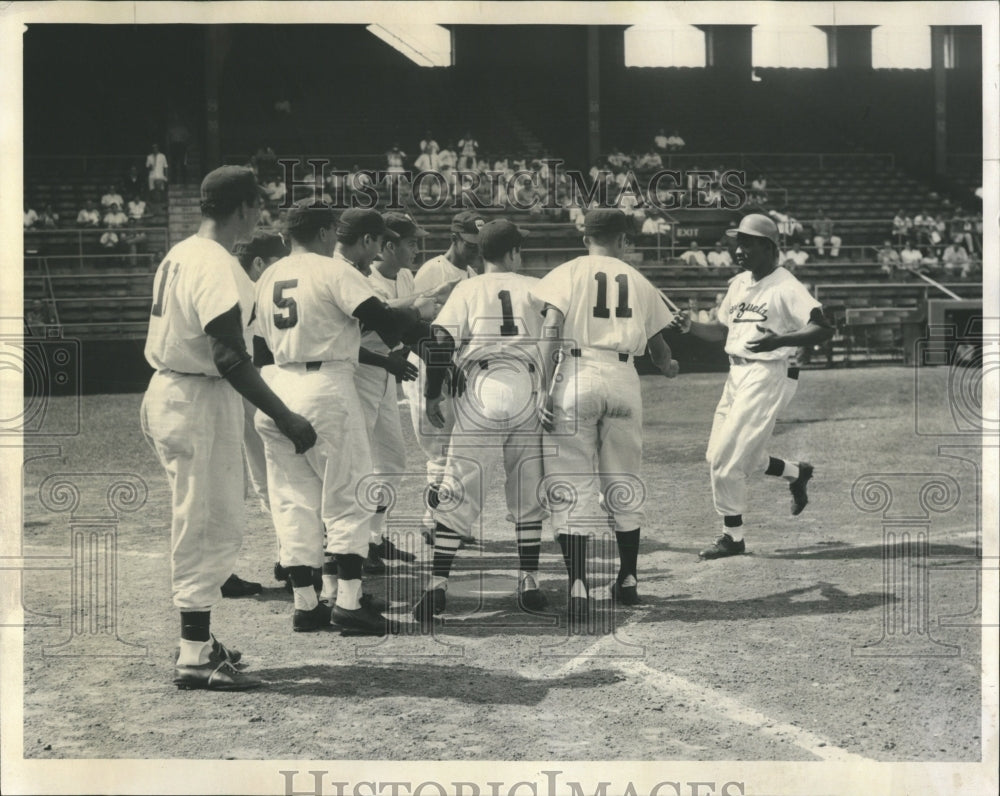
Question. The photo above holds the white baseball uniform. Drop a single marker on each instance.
(304, 313)
(610, 311)
(760, 384)
(377, 391)
(432, 441)
(193, 417)
(495, 323)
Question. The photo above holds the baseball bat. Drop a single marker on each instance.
(670, 305)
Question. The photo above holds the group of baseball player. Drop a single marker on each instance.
(287, 353)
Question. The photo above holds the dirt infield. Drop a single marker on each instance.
(829, 641)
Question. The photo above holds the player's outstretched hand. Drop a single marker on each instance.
(298, 430)
(672, 369)
(433, 410)
(681, 323)
(547, 414)
(401, 368)
(768, 342)
(427, 307)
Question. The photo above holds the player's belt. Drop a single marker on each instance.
(599, 354)
(314, 365)
(182, 373)
(485, 363)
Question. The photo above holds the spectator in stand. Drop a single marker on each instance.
(276, 191)
(426, 161)
(37, 318)
(910, 256)
(110, 239)
(447, 159)
(115, 218)
(89, 216)
(618, 159)
(157, 169)
(888, 258)
(178, 139)
(960, 231)
(264, 163)
(902, 227)
(49, 218)
(758, 189)
(929, 261)
(823, 234)
(956, 258)
(660, 140)
(720, 257)
(695, 256)
(922, 223)
(136, 208)
(132, 183)
(30, 217)
(134, 239)
(394, 159)
(655, 223)
(789, 228)
(675, 142)
(112, 197)
(704, 315)
(650, 161)
(468, 147)
(714, 312)
(266, 220)
(793, 257)
(428, 144)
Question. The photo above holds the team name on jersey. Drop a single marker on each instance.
(749, 313)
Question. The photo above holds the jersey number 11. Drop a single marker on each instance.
(623, 310)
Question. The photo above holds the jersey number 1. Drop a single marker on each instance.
(623, 310)
(508, 328)
(288, 319)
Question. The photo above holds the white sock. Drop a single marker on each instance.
(349, 594)
(630, 581)
(437, 582)
(528, 581)
(329, 592)
(305, 598)
(578, 590)
(735, 533)
(194, 653)
(791, 470)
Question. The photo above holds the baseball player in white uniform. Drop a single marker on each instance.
(600, 314)
(437, 274)
(192, 414)
(766, 315)
(308, 308)
(494, 323)
(375, 378)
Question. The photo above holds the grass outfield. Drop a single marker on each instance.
(793, 652)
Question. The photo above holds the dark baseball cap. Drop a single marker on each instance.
(606, 221)
(357, 221)
(229, 186)
(305, 218)
(263, 244)
(402, 225)
(467, 224)
(498, 237)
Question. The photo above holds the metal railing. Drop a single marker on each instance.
(156, 238)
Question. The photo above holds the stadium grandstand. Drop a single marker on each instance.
(843, 148)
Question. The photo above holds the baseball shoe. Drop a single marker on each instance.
(626, 594)
(214, 676)
(431, 603)
(724, 546)
(373, 564)
(529, 596)
(798, 488)
(218, 654)
(317, 618)
(235, 586)
(369, 601)
(389, 551)
(362, 621)
(280, 573)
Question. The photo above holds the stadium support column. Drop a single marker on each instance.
(216, 47)
(593, 93)
(941, 52)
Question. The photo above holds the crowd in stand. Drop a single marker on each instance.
(936, 245)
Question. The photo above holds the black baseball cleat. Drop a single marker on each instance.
(798, 488)
(310, 621)
(389, 551)
(529, 596)
(724, 546)
(362, 621)
(626, 595)
(235, 586)
(214, 676)
(280, 573)
(218, 654)
(373, 564)
(432, 602)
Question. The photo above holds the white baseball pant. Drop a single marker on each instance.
(195, 425)
(598, 430)
(755, 393)
(318, 487)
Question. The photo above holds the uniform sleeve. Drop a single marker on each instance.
(350, 289)
(659, 315)
(214, 289)
(555, 288)
(799, 303)
(427, 278)
(454, 314)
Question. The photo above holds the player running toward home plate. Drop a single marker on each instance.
(765, 316)
(601, 313)
(494, 323)
(192, 415)
(308, 310)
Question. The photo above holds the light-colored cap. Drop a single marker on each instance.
(760, 226)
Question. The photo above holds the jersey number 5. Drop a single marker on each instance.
(288, 319)
(623, 310)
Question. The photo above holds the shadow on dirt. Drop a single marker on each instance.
(462, 683)
(841, 551)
